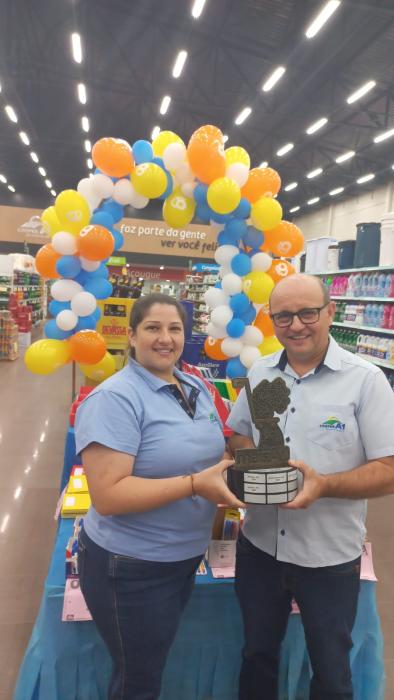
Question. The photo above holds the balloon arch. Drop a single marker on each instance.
(201, 179)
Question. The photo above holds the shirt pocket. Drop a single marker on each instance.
(334, 426)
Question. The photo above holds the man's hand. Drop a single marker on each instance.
(313, 487)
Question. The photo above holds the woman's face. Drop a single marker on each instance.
(159, 339)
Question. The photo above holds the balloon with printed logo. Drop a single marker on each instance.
(113, 157)
(46, 259)
(87, 347)
(236, 154)
(264, 323)
(149, 180)
(50, 221)
(164, 139)
(266, 213)
(280, 269)
(223, 195)
(47, 355)
(178, 210)
(100, 370)
(72, 211)
(205, 154)
(261, 182)
(95, 242)
(285, 240)
(270, 345)
(213, 348)
(258, 287)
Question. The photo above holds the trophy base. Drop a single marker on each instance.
(263, 486)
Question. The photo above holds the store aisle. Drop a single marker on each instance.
(33, 417)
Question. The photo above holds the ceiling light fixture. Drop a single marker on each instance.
(273, 78)
(263, 164)
(3, 179)
(82, 93)
(197, 8)
(365, 178)
(294, 209)
(179, 64)
(11, 114)
(338, 190)
(34, 156)
(42, 171)
(314, 173)
(225, 138)
(49, 185)
(313, 201)
(76, 47)
(384, 135)
(11, 188)
(88, 146)
(291, 186)
(85, 124)
(285, 149)
(155, 132)
(320, 19)
(24, 137)
(242, 116)
(53, 193)
(89, 163)
(165, 103)
(345, 156)
(316, 126)
(361, 92)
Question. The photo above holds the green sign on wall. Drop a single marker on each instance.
(119, 261)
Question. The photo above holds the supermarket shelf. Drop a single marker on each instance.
(355, 326)
(354, 270)
(376, 361)
(380, 299)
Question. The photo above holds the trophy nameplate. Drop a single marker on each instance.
(262, 474)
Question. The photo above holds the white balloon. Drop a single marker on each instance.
(188, 188)
(252, 336)
(184, 173)
(65, 290)
(123, 191)
(232, 283)
(85, 188)
(64, 243)
(225, 253)
(138, 201)
(249, 355)
(221, 315)
(215, 331)
(89, 265)
(83, 304)
(66, 320)
(215, 297)
(239, 172)
(261, 262)
(224, 270)
(231, 347)
(102, 185)
(174, 155)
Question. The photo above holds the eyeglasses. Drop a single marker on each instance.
(283, 319)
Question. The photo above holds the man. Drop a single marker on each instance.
(339, 428)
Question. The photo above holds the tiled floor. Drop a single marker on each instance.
(33, 417)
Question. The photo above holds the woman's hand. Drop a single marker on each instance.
(211, 484)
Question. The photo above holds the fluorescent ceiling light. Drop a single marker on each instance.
(320, 19)
(285, 149)
(383, 136)
(42, 171)
(314, 173)
(197, 8)
(76, 47)
(34, 156)
(11, 188)
(263, 164)
(294, 209)
(361, 92)
(161, 267)
(88, 146)
(53, 193)
(3, 179)
(317, 125)
(337, 191)
(82, 93)
(155, 132)
(345, 156)
(313, 201)
(89, 163)
(24, 137)
(165, 103)
(291, 186)
(85, 124)
(242, 116)
(365, 178)
(225, 138)
(11, 114)
(48, 184)
(179, 64)
(273, 78)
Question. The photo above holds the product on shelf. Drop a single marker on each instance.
(193, 290)
(377, 283)
(9, 341)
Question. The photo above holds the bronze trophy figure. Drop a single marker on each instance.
(262, 474)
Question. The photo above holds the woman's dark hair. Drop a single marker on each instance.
(143, 304)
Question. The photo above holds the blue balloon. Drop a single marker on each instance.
(239, 303)
(220, 218)
(225, 239)
(243, 209)
(52, 330)
(55, 307)
(200, 193)
(218, 284)
(142, 151)
(252, 237)
(235, 328)
(99, 287)
(96, 314)
(249, 316)
(85, 323)
(82, 277)
(68, 266)
(236, 228)
(159, 161)
(102, 218)
(101, 271)
(170, 186)
(203, 212)
(241, 264)
(235, 368)
(109, 206)
(118, 238)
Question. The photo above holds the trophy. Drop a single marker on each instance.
(262, 474)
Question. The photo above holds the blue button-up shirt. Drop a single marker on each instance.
(340, 416)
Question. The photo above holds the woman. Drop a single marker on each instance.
(148, 437)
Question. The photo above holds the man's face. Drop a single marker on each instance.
(303, 342)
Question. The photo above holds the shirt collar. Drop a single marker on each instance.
(332, 358)
(155, 383)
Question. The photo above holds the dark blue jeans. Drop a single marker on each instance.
(327, 598)
(136, 606)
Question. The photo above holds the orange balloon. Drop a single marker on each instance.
(280, 269)
(46, 259)
(261, 182)
(264, 323)
(113, 156)
(212, 348)
(205, 153)
(285, 240)
(95, 242)
(87, 347)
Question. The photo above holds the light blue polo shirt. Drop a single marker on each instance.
(340, 416)
(135, 412)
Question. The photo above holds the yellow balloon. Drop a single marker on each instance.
(223, 195)
(47, 355)
(258, 287)
(101, 370)
(236, 154)
(266, 213)
(178, 210)
(270, 345)
(72, 211)
(149, 180)
(160, 143)
(50, 221)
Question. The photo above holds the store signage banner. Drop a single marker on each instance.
(117, 261)
(205, 267)
(157, 238)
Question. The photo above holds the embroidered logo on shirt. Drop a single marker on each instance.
(333, 423)
(212, 417)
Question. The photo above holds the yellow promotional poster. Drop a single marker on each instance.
(113, 325)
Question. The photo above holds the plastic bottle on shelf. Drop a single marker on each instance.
(391, 295)
(386, 316)
(391, 323)
(360, 348)
(374, 284)
(382, 286)
(364, 292)
(380, 316)
(360, 314)
(344, 283)
(350, 285)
